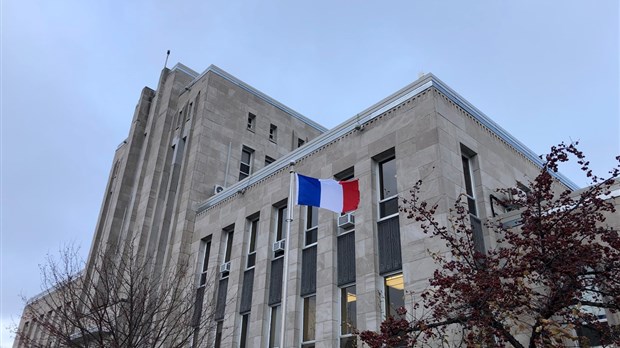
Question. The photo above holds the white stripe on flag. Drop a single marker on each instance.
(331, 195)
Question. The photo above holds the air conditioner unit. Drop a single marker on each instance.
(279, 245)
(225, 267)
(347, 220)
(217, 189)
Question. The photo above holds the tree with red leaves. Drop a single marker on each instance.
(543, 283)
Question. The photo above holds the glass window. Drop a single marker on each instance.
(218, 334)
(273, 133)
(309, 328)
(469, 185)
(312, 223)
(206, 246)
(269, 160)
(281, 214)
(348, 310)
(245, 321)
(253, 230)
(274, 327)
(245, 166)
(251, 121)
(228, 235)
(394, 294)
(300, 142)
(388, 199)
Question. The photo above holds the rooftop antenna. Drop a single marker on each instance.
(167, 55)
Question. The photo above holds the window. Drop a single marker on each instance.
(467, 157)
(252, 230)
(251, 121)
(348, 310)
(388, 192)
(245, 321)
(206, 247)
(228, 234)
(312, 223)
(269, 160)
(280, 225)
(300, 142)
(218, 334)
(273, 133)
(309, 322)
(245, 168)
(274, 327)
(394, 294)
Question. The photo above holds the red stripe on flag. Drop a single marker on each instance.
(351, 195)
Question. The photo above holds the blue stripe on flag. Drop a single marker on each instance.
(309, 192)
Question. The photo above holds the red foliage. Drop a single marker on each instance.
(540, 279)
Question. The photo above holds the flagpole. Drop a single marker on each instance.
(289, 221)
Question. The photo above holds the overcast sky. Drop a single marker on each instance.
(72, 72)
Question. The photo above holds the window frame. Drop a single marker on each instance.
(281, 214)
(250, 153)
(273, 133)
(309, 229)
(387, 307)
(344, 308)
(206, 254)
(252, 235)
(309, 342)
(380, 162)
(251, 126)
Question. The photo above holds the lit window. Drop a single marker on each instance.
(348, 310)
(273, 133)
(245, 167)
(394, 294)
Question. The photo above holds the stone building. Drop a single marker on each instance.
(204, 174)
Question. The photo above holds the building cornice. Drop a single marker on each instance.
(357, 122)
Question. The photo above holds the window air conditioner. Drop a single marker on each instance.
(347, 220)
(217, 189)
(225, 267)
(279, 245)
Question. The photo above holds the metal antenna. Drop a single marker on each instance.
(167, 55)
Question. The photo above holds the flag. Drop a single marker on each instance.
(337, 196)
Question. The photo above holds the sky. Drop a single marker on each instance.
(72, 72)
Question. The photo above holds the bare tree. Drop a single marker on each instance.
(120, 302)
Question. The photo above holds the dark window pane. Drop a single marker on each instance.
(274, 327)
(251, 260)
(348, 342)
(245, 320)
(388, 207)
(311, 236)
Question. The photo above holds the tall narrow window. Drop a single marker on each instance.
(218, 334)
(273, 133)
(280, 225)
(348, 310)
(388, 192)
(251, 121)
(469, 184)
(394, 294)
(206, 247)
(312, 223)
(225, 267)
(309, 322)
(274, 327)
(300, 142)
(245, 167)
(252, 231)
(243, 339)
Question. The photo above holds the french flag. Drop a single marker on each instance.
(337, 196)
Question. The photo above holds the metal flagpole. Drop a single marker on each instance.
(289, 221)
